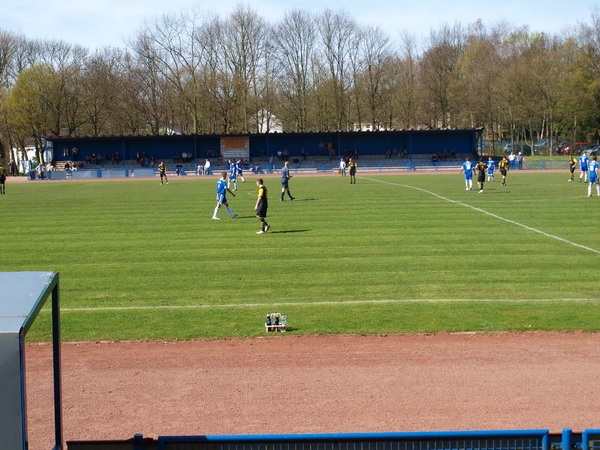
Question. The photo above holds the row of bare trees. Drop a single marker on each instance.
(195, 72)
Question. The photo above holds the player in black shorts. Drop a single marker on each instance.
(503, 166)
(572, 166)
(262, 204)
(2, 181)
(481, 168)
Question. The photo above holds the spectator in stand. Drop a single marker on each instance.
(207, 167)
(40, 169)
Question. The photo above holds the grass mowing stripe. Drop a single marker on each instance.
(130, 244)
(489, 214)
(353, 302)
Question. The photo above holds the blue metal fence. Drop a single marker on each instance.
(590, 439)
(445, 440)
(472, 440)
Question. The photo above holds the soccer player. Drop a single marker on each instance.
(262, 204)
(481, 168)
(572, 165)
(285, 176)
(491, 166)
(583, 166)
(2, 181)
(222, 190)
(352, 169)
(162, 170)
(593, 171)
(239, 167)
(467, 168)
(232, 179)
(503, 167)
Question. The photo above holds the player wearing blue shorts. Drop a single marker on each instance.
(239, 167)
(593, 171)
(467, 168)
(583, 166)
(222, 190)
(491, 168)
(232, 179)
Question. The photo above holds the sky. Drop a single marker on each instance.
(100, 23)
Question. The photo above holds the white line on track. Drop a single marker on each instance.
(357, 302)
(535, 230)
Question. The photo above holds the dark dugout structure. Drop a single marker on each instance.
(413, 142)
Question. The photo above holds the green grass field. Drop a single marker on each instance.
(391, 254)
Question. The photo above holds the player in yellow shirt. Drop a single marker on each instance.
(352, 169)
(481, 168)
(162, 170)
(262, 204)
(503, 167)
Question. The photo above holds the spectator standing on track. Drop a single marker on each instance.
(262, 204)
(520, 159)
(222, 190)
(352, 168)
(285, 177)
(593, 170)
(511, 160)
(162, 171)
(343, 167)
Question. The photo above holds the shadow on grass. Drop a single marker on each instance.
(288, 231)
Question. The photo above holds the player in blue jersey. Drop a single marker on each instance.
(239, 170)
(467, 168)
(593, 171)
(491, 167)
(583, 166)
(232, 178)
(222, 190)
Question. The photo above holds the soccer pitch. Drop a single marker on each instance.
(391, 254)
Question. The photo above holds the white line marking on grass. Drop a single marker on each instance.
(535, 230)
(350, 302)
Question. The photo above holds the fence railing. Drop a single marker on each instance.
(443, 440)
(318, 168)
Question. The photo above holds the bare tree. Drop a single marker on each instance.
(295, 47)
(438, 75)
(338, 33)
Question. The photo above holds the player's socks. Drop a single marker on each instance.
(216, 213)
(230, 212)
